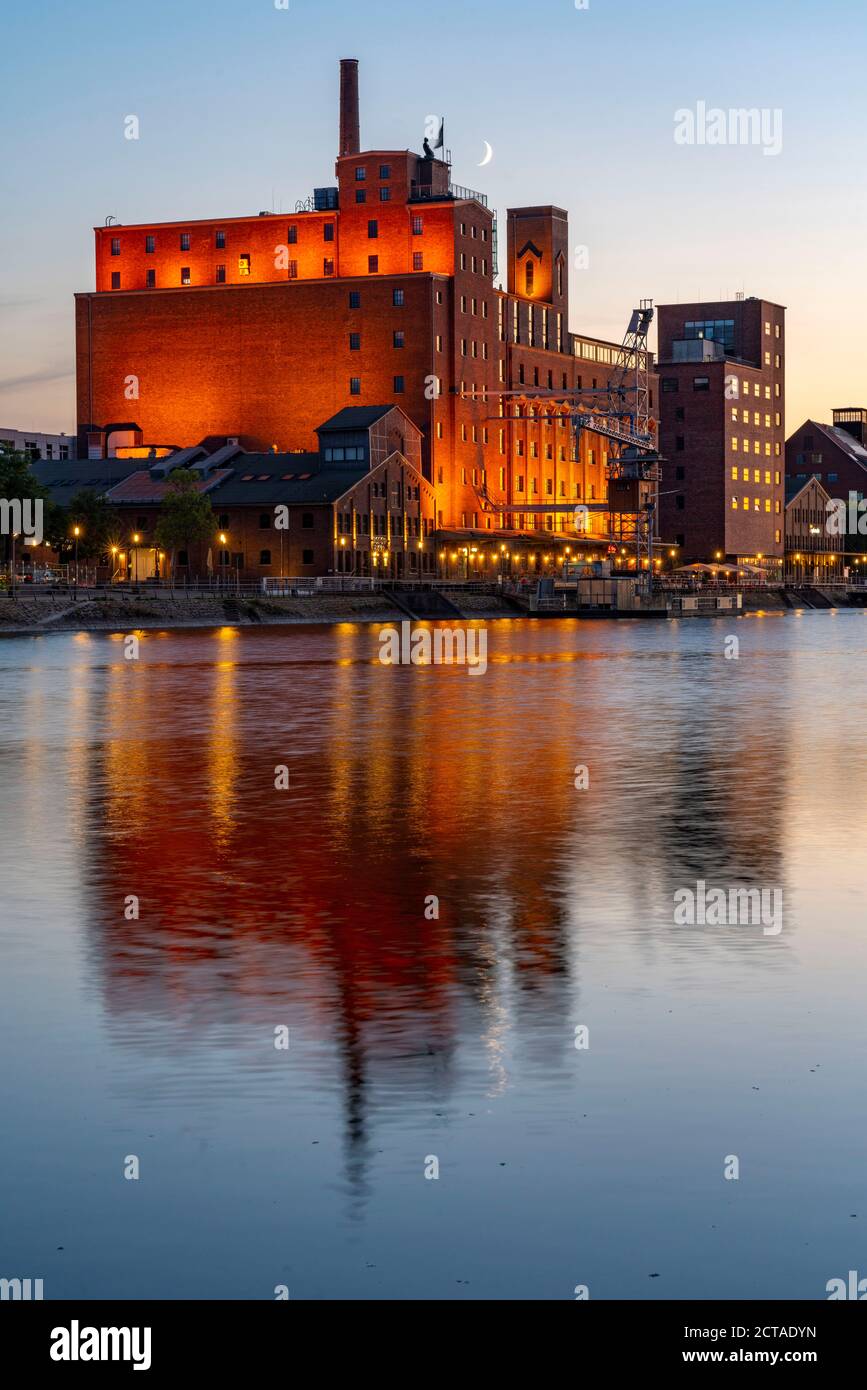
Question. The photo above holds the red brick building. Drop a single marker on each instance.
(379, 290)
(722, 430)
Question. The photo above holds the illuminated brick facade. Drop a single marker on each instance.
(381, 292)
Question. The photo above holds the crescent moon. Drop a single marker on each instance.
(489, 154)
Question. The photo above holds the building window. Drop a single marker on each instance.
(360, 174)
(151, 279)
(264, 521)
(701, 383)
(397, 299)
(361, 195)
(399, 338)
(355, 386)
(417, 260)
(680, 443)
(264, 557)
(306, 521)
(417, 226)
(355, 299)
(222, 521)
(185, 241)
(354, 342)
(529, 271)
(221, 275)
(327, 266)
(150, 245)
(385, 194)
(328, 231)
(669, 384)
(115, 279)
(399, 386)
(244, 263)
(292, 235)
(220, 240)
(293, 270)
(115, 246)
(372, 229)
(372, 265)
(385, 171)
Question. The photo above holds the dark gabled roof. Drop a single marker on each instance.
(354, 417)
(795, 485)
(65, 477)
(143, 488)
(290, 478)
(845, 441)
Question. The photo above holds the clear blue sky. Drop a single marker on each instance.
(237, 102)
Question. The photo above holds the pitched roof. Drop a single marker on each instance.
(288, 478)
(355, 417)
(65, 477)
(845, 441)
(142, 487)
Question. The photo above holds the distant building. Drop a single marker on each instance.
(836, 455)
(36, 445)
(722, 430)
(814, 555)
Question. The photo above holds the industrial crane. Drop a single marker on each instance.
(620, 413)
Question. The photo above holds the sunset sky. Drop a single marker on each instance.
(237, 104)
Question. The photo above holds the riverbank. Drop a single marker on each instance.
(30, 614)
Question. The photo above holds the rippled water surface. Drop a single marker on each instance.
(413, 1037)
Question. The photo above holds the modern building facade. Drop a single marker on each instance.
(37, 445)
(722, 430)
(379, 290)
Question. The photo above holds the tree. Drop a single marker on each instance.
(186, 515)
(94, 516)
(17, 483)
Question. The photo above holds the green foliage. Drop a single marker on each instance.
(186, 516)
(96, 519)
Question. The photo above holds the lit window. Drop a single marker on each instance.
(186, 278)
(244, 264)
(327, 266)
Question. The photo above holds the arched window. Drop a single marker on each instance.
(528, 277)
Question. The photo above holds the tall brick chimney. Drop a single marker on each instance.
(350, 133)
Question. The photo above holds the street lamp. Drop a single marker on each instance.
(76, 531)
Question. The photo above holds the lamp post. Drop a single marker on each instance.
(135, 540)
(113, 562)
(76, 531)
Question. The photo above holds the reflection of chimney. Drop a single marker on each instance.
(350, 133)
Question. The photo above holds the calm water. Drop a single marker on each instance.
(453, 1038)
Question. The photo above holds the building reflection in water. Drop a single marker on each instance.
(307, 905)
